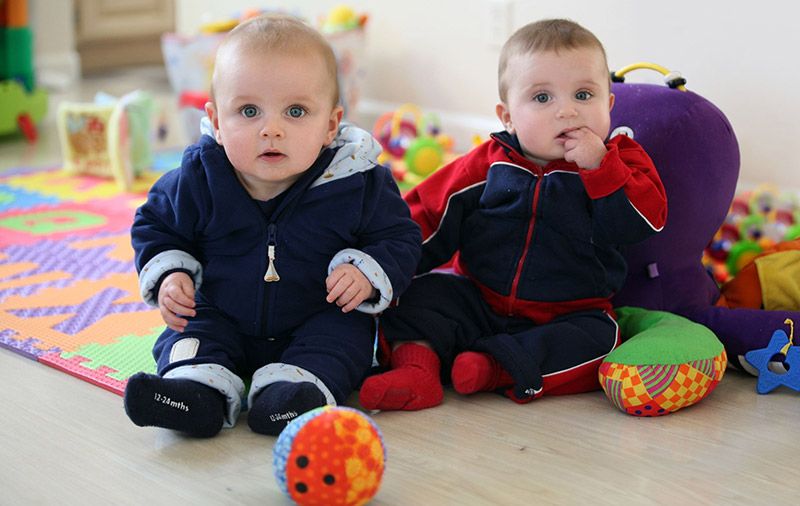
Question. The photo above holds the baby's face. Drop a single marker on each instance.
(552, 93)
(273, 112)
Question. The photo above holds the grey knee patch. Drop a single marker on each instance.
(184, 349)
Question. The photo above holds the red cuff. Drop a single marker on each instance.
(612, 175)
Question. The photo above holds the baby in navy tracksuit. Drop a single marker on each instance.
(271, 248)
(535, 217)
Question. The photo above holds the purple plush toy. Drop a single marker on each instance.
(697, 156)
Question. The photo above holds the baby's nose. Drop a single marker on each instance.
(567, 111)
(271, 128)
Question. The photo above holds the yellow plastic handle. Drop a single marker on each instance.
(398, 117)
(673, 79)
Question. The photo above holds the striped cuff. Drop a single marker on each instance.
(219, 378)
(370, 268)
(161, 264)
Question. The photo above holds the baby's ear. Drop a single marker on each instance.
(333, 123)
(504, 116)
(213, 116)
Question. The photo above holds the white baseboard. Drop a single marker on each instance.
(58, 71)
(461, 127)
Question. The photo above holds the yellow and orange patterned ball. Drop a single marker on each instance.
(330, 456)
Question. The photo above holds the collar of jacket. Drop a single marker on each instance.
(356, 151)
(213, 157)
(513, 151)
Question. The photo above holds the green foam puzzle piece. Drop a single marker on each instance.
(127, 355)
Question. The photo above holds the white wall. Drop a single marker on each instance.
(57, 62)
(740, 55)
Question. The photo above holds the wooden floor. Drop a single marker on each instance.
(64, 441)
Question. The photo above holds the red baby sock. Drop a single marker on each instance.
(478, 372)
(412, 384)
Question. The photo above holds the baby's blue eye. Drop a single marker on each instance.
(296, 111)
(542, 98)
(583, 95)
(249, 111)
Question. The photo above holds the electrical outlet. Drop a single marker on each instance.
(498, 21)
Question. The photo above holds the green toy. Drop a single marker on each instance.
(20, 110)
(22, 105)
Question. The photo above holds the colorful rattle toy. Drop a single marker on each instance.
(781, 353)
(420, 144)
(330, 455)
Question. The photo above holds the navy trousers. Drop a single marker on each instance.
(448, 311)
(336, 347)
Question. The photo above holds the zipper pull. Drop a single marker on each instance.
(271, 274)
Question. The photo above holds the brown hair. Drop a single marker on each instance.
(283, 33)
(544, 35)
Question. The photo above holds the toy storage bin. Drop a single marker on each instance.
(190, 64)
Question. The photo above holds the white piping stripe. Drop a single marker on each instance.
(645, 219)
(529, 172)
(511, 165)
(448, 207)
(592, 360)
(469, 188)
(577, 174)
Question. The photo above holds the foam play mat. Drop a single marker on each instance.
(68, 287)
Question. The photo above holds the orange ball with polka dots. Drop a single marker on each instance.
(330, 456)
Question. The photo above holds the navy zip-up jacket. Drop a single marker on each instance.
(538, 241)
(345, 208)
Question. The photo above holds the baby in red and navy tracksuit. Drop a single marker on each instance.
(532, 220)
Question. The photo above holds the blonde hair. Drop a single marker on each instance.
(279, 32)
(544, 35)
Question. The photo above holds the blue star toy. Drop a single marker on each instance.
(779, 345)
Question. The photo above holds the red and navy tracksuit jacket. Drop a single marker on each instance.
(537, 242)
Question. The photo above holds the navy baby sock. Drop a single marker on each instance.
(279, 403)
(178, 404)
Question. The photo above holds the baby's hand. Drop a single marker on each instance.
(585, 148)
(176, 299)
(348, 287)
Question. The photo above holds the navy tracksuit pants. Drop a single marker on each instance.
(557, 357)
(336, 347)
